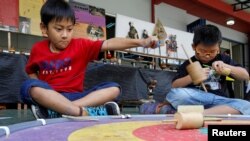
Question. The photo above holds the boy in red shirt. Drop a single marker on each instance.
(57, 68)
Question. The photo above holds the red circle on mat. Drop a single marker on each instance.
(164, 132)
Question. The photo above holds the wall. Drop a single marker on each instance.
(182, 37)
(178, 18)
(140, 9)
(170, 16)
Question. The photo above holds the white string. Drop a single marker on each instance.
(6, 129)
(43, 121)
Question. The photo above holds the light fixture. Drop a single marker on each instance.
(230, 21)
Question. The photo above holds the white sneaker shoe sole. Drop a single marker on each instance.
(114, 107)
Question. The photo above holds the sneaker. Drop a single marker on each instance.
(112, 108)
(53, 114)
(156, 108)
(39, 112)
(44, 113)
(96, 111)
(109, 108)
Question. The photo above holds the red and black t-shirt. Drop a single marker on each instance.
(64, 71)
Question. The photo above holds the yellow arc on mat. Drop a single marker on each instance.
(119, 131)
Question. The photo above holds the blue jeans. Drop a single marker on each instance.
(26, 86)
(192, 96)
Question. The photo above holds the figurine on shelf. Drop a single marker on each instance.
(160, 32)
(12, 50)
(151, 86)
(22, 52)
(133, 34)
(172, 47)
(150, 95)
(113, 60)
(145, 34)
(163, 63)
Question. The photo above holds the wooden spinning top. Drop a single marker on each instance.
(188, 120)
(192, 120)
(196, 73)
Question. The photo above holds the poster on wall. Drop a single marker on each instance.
(29, 16)
(171, 46)
(9, 15)
(90, 21)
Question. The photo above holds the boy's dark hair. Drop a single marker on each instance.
(56, 10)
(207, 35)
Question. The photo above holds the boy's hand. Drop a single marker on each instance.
(151, 42)
(206, 72)
(220, 68)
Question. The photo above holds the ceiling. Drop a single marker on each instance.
(217, 11)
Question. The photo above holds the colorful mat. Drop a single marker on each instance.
(138, 127)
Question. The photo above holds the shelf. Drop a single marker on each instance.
(19, 41)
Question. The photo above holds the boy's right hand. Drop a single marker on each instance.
(206, 72)
(150, 42)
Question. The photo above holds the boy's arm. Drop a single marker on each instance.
(182, 82)
(124, 43)
(182, 77)
(237, 72)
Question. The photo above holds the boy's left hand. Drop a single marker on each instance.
(220, 68)
(151, 42)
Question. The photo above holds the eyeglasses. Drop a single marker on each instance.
(203, 52)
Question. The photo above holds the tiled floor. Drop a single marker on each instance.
(13, 116)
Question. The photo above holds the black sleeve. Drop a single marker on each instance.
(182, 71)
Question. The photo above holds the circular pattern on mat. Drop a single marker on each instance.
(136, 130)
